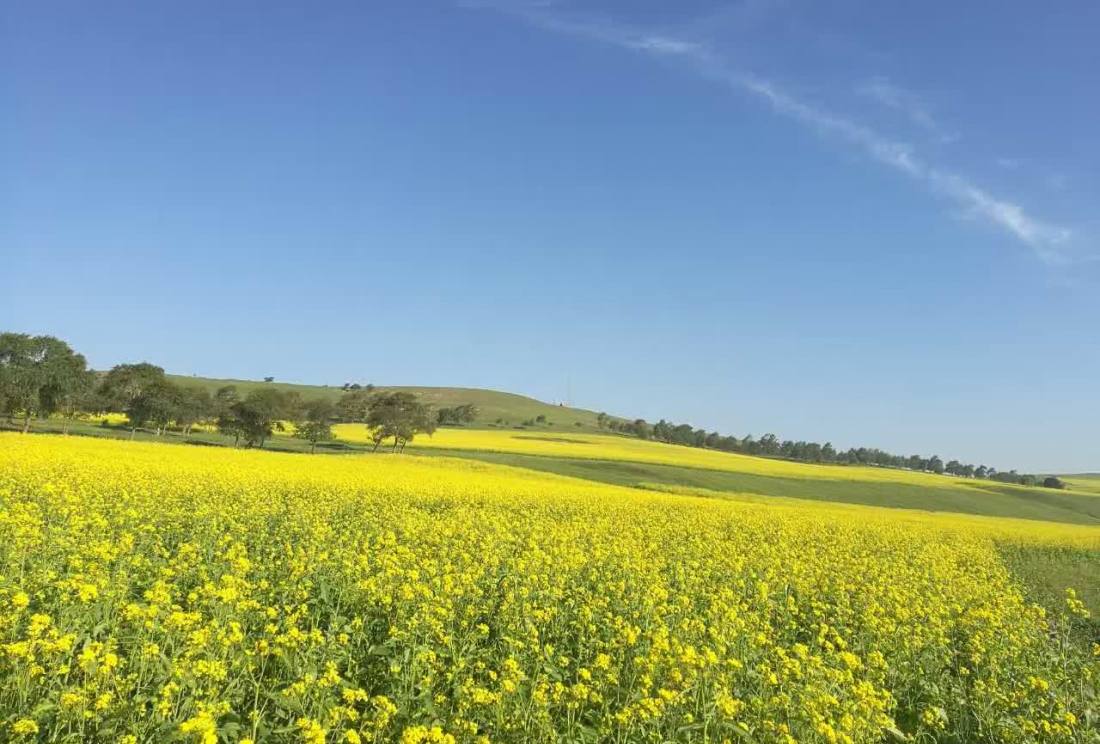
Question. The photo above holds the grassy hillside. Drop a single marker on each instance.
(492, 405)
(646, 464)
(1084, 482)
(560, 446)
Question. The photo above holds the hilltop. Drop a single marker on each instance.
(495, 408)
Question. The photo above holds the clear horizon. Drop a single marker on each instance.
(866, 224)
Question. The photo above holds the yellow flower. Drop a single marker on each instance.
(202, 727)
(311, 731)
(24, 727)
(480, 599)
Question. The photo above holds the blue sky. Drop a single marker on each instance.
(873, 223)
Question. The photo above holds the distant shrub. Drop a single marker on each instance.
(1052, 482)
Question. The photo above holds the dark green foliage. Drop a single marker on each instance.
(315, 423)
(458, 415)
(39, 375)
(193, 405)
(354, 405)
(136, 390)
(398, 416)
(256, 417)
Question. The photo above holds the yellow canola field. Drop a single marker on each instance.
(613, 447)
(166, 593)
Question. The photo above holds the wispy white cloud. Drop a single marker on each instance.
(911, 105)
(1047, 240)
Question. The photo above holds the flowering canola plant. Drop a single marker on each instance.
(156, 593)
(584, 445)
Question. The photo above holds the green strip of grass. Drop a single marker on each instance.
(977, 498)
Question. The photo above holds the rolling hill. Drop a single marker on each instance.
(569, 443)
(494, 408)
(1086, 482)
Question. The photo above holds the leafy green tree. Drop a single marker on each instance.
(315, 424)
(259, 415)
(80, 397)
(223, 399)
(769, 444)
(158, 405)
(602, 420)
(399, 416)
(136, 390)
(662, 431)
(194, 405)
(459, 415)
(37, 375)
(19, 377)
(354, 405)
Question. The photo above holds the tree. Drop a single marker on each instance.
(459, 415)
(354, 405)
(224, 405)
(315, 424)
(223, 400)
(134, 390)
(64, 376)
(602, 420)
(769, 444)
(158, 405)
(80, 397)
(37, 375)
(662, 431)
(400, 416)
(259, 415)
(194, 405)
(683, 434)
(1052, 482)
(19, 379)
(935, 464)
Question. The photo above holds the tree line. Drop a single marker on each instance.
(769, 445)
(41, 376)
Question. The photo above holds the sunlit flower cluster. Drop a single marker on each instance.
(168, 593)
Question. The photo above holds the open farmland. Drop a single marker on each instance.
(154, 593)
(635, 462)
(493, 406)
(1088, 482)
